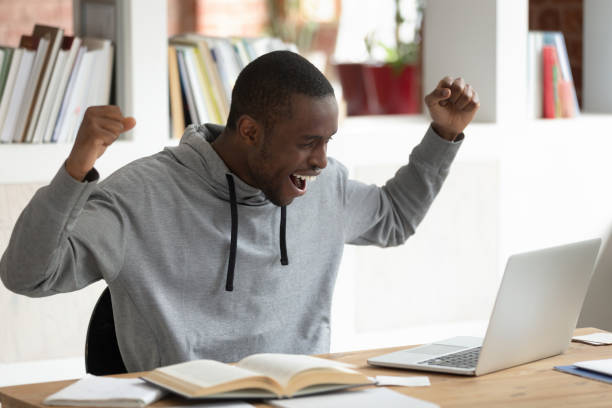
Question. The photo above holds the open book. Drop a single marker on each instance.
(265, 375)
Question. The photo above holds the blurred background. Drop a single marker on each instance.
(340, 37)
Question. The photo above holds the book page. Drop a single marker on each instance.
(206, 373)
(284, 366)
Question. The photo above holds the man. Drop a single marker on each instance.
(200, 260)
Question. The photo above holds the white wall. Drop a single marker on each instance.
(42, 328)
(514, 187)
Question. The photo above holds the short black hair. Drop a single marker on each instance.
(264, 87)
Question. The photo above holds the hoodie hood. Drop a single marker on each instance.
(196, 153)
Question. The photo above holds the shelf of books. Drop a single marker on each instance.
(202, 71)
(46, 83)
(49, 79)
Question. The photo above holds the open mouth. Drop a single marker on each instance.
(299, 181)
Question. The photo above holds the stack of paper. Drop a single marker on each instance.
(595, 339)
(600, 370)
(106, 392)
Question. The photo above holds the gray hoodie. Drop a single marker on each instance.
(158, 231)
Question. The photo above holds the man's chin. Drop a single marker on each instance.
(280, 202)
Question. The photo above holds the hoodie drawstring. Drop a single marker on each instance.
(229, 284)
(283, 243)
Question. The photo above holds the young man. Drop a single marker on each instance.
(225, 245)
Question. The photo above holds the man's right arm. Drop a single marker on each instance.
(71, 232)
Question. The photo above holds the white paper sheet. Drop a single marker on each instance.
(420, 381)
(106, 392)
(372, 397)
(601, 366)
(596, 339)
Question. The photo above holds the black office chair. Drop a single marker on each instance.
(102, 355)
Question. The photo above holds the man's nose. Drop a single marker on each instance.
(318, 158)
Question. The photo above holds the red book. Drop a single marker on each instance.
(548, 86)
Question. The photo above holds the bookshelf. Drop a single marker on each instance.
(142, 89)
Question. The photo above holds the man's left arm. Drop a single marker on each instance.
(388, 215)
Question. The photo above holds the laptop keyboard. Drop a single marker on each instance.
(461, 359)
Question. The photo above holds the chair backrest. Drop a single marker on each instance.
(102, 355)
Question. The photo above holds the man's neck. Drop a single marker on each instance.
(232, 155)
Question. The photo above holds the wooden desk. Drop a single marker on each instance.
(531, 385)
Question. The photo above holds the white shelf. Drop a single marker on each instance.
(376, 140)
(38, 163)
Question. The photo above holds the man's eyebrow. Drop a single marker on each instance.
(311, 137)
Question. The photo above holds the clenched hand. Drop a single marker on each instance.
(452, 106)
(101, 126)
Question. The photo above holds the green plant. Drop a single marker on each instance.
(402, 53)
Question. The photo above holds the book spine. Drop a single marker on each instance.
(73, 45)
(6, 64)
(548, 93)
(55, 36)
(567, 100)
(211, 104)
(556, 79)
(12, 115)
(176, 104)
(8, 90)
(193, 118)
(566, 70)
(56, 136)
(45, 109)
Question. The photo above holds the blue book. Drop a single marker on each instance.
(572, 369)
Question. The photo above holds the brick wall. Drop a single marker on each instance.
(231, 17)
(564, 16)
(214, 17)
(181, 16)
(218, 17)
(17, 17)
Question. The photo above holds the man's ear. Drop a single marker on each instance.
(250, 131)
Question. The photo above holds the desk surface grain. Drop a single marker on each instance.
(530, 385)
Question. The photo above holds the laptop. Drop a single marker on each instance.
(534, 316)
